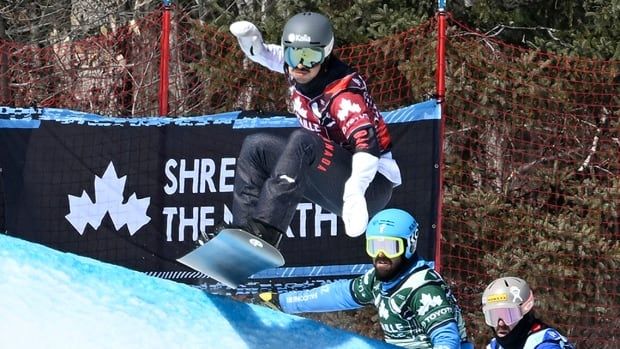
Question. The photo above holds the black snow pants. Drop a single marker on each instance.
(274, 174)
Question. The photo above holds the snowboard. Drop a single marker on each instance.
(232, 256)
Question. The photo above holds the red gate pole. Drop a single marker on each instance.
(441, 91)
(164, 59)
(4, 67)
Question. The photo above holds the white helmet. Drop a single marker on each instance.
(508, 299)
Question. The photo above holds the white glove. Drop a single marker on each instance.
(354, 210)
(249, 37)
(251, 43)
(355, 215)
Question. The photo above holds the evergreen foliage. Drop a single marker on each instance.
(567, 216)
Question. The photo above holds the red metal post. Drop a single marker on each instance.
(164, 60)
(441, 91)
(4, 67)
(441, 57)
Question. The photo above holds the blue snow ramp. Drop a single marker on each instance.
(50, 299)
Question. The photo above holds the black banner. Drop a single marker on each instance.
(136, 192)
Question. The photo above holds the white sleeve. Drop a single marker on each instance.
(363, 170)
(251, 43)
(354, 210)
(329, 297)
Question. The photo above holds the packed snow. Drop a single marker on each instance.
(50, 299)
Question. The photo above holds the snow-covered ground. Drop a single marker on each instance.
(50, 299)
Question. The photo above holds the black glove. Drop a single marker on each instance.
(268, 299)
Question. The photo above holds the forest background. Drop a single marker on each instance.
(579, 29)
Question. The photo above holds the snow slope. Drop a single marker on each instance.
(50, 299)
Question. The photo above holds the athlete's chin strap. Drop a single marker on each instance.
(354, 210)
(251, 43)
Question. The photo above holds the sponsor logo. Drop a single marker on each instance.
(395, 330)
(494, 298)
(436, 315)
(301, 298)
(256, 243)
(292, 37)
(287, 178)
(515, 292)
(108, 199)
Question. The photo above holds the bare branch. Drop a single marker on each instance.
(594, 145)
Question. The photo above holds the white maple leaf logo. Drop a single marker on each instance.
(108, 199)
(428, 302)
(383, 312)
(298, 109)
(346, 107)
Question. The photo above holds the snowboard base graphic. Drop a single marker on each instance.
(232, 256)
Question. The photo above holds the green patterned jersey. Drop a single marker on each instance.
(411, 310)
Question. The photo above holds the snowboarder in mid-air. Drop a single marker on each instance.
(339, 159)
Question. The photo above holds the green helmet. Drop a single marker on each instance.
(309, 30)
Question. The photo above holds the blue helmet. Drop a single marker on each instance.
(394, 222)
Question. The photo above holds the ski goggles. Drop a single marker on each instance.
(306, 56)
(391, 247)
(510, 315)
